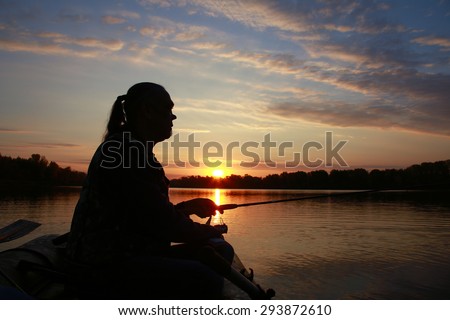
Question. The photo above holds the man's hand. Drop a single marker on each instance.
(202, 207)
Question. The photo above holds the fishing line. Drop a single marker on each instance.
(325, 195)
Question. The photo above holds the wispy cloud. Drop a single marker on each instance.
(433, 41)
(113, 20)
(55, 43)
(255, 14)
(89, 42)
(156, 32)
(74, 15)
(54, 145)
(369, 114)
(279, 63)
(192, 130)
(44, 49)
(295, 16)
(40, 145)
(120, 17)
(15, 131)
(209, 46)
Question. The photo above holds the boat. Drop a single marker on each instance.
(36, 269)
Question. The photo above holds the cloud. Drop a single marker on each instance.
(391, 94)
(258, 14)
(398, 83)
(54, 145)
(255, 126)
(255, 14)
(294, 16)
(111, 44)
(339, 28)
(374, 52)
(208, 46)
(401, 98)
(54, 43)
(120, 16)
(337, 113)
(163, 28)
(336, 52)
(369, 114)
(156, 32)
(113, 20)
(47, 49)
(160, 3)
(129, 14)
(15, 131)
(279, 63)
(47, 145)
(189, 35)
(235, 112)
(70, 15)
(188, 130)
(38, 48)
(90, 42)
(433, 41)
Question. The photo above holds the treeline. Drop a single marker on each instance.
(37, 170)
(425, 175)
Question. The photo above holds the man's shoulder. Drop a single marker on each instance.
(122, 150)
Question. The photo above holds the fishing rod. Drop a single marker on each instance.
(231, 206)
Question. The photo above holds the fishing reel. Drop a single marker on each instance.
(222, 227)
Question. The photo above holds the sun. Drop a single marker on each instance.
(218, 173)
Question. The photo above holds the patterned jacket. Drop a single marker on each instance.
(124, 208)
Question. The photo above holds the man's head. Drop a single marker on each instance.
(146, 111)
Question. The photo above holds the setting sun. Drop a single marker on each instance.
(218, 173)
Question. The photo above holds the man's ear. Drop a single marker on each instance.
(145, 111)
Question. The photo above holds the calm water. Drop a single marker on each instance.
(387, 245)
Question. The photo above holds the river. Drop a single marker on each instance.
(384, 245)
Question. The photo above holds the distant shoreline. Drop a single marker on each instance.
(424, 176)
(29, 187)
(38, 174)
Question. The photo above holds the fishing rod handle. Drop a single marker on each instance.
(228, 206)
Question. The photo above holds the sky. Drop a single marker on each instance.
(259, 87)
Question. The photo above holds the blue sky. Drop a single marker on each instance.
(375, 73)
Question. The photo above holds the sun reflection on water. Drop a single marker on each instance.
(216, 219)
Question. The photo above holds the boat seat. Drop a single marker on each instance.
(54, 274)
(62, 239)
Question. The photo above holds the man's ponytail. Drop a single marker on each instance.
(117, 118)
